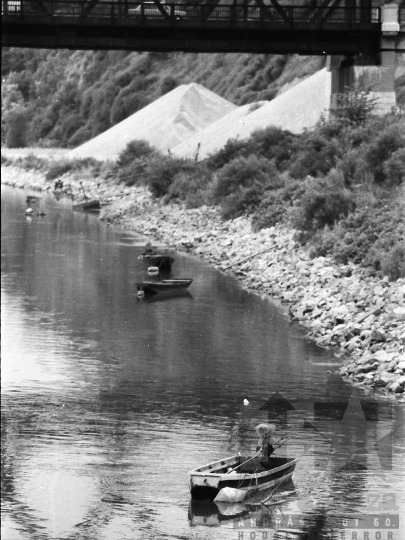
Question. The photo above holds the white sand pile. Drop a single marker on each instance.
(165, 123)
(298, 108)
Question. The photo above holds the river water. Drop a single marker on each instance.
(108, 400)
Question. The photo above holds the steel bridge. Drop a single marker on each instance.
(321, 27)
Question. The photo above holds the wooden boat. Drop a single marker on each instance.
(160, 260)
(255, 476)
(90, 204)
(164, 285)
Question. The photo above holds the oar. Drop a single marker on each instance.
(243, 463)
(257, 454)
(280, 443)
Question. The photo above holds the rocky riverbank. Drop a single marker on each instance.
(342, 306)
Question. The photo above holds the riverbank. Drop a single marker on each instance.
(342, 306)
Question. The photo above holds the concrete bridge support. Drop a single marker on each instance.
(375, 73)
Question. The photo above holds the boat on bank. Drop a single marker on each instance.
(257, 475)
(165, 285)
(91, 204)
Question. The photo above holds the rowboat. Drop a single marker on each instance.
(207, 481)
(158, 259)
(88, 204)
(164, 285)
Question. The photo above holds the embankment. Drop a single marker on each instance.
(342, 306)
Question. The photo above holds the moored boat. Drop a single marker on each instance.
(164, 285)
(93, 204)
(257, 475)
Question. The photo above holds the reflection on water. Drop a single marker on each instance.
(109, 400)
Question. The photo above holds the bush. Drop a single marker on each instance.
(369, 236)
(240, 185)
(355, 106)
(322, 204)
(194, 187)
(245, 172)
(134, 150)
(58, 168)
(62, 166)
(276, 204)
(315, 155)
(274, 144)
(161, 172)
(394, 167)
(243, 201)
(16, 127)
(393, 262)
(233, 149)
(382, 150)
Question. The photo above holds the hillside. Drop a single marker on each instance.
(64, 98)
(92, 91)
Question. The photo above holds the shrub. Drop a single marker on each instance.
(233, 149)
(322, 204)
(192, 186)
(134, 150)
(356, 106)
(276, 204)
(274, 144)
(245, 172)
(270, 211)
(161, 172)
(58, 168)
(369, 236)
(242, 201)
(62, 166)
(315, 155)
(16, 127)
(394, 167)
(382, 149)
(393, 262)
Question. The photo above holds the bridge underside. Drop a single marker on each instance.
(259, 26)
(183, 38)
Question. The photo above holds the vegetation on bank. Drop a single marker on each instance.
(61, 98)
(341, 185)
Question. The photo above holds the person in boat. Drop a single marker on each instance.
(258, 463)
(265, 442)
(148, 249)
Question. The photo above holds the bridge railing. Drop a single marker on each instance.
(79, 11)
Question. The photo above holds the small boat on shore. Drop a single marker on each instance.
(153, 287)
(257, 475)
(93, 204)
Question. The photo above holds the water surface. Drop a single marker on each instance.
(109, 400)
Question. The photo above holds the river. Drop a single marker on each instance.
(108, 399)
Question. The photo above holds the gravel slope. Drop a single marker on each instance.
(165, 123)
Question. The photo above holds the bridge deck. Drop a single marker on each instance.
(189, 27)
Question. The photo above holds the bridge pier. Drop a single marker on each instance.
(375, 73)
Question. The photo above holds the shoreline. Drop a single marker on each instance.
(341, 306)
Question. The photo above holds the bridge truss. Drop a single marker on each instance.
(263, 26)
